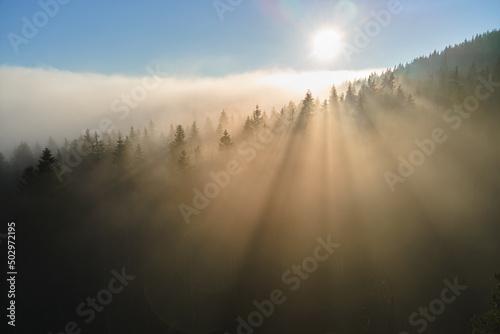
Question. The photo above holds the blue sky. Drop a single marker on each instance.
(188, 38)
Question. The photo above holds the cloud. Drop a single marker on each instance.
(36, 103)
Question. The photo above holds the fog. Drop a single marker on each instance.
(36, 103)
(369, 206)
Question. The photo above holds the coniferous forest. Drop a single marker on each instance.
(372, 210)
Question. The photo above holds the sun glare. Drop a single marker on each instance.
(326, 44)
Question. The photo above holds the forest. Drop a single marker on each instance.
(371, 210)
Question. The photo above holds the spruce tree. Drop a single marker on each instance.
(350, 96)
(225, 142)
(224, 119)
(88, 142)
(218, 131)
(120, 153)
(334, 98)
(184, 162)
(47, 163)
(179, 142)
(138, 154)
(98, 148)
(46, 169)
(400, 96)
(194, 135)
(257, 119)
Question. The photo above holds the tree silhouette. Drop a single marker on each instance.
(257, 119)
(350, 96)
(179, 140)
(306, 110)
(138, 154)
(194, 135)
(184, 162)
(120, 153)
(225, 142)
(388, 82)
(98, 148)
(224, 119)
(400, 95)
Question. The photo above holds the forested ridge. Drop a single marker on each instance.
(208, 216)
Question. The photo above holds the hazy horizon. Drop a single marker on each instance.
(73, 102)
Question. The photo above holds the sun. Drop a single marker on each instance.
(326, 44)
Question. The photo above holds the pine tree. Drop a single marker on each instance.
(400, 96)
(324, 106)
(194, 134)
(248, 124)
(257, 119)
(388, 82)
(306, 110)
(120, 154)
(152, 129)
(133, 135)
(334, 98)
(224, 119)
(197, 154)
(179, 141)
(291, 111)
(47, 163)
(410, 102)
(138, 154)
(218, 132)
(29, 180)
(372, 83)
(46, 168)
(225, 142)
(350, 96)
(88, 142)
(184, 162)
(360, 104)
(98, 148)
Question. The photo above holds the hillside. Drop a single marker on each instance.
(360, 213)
